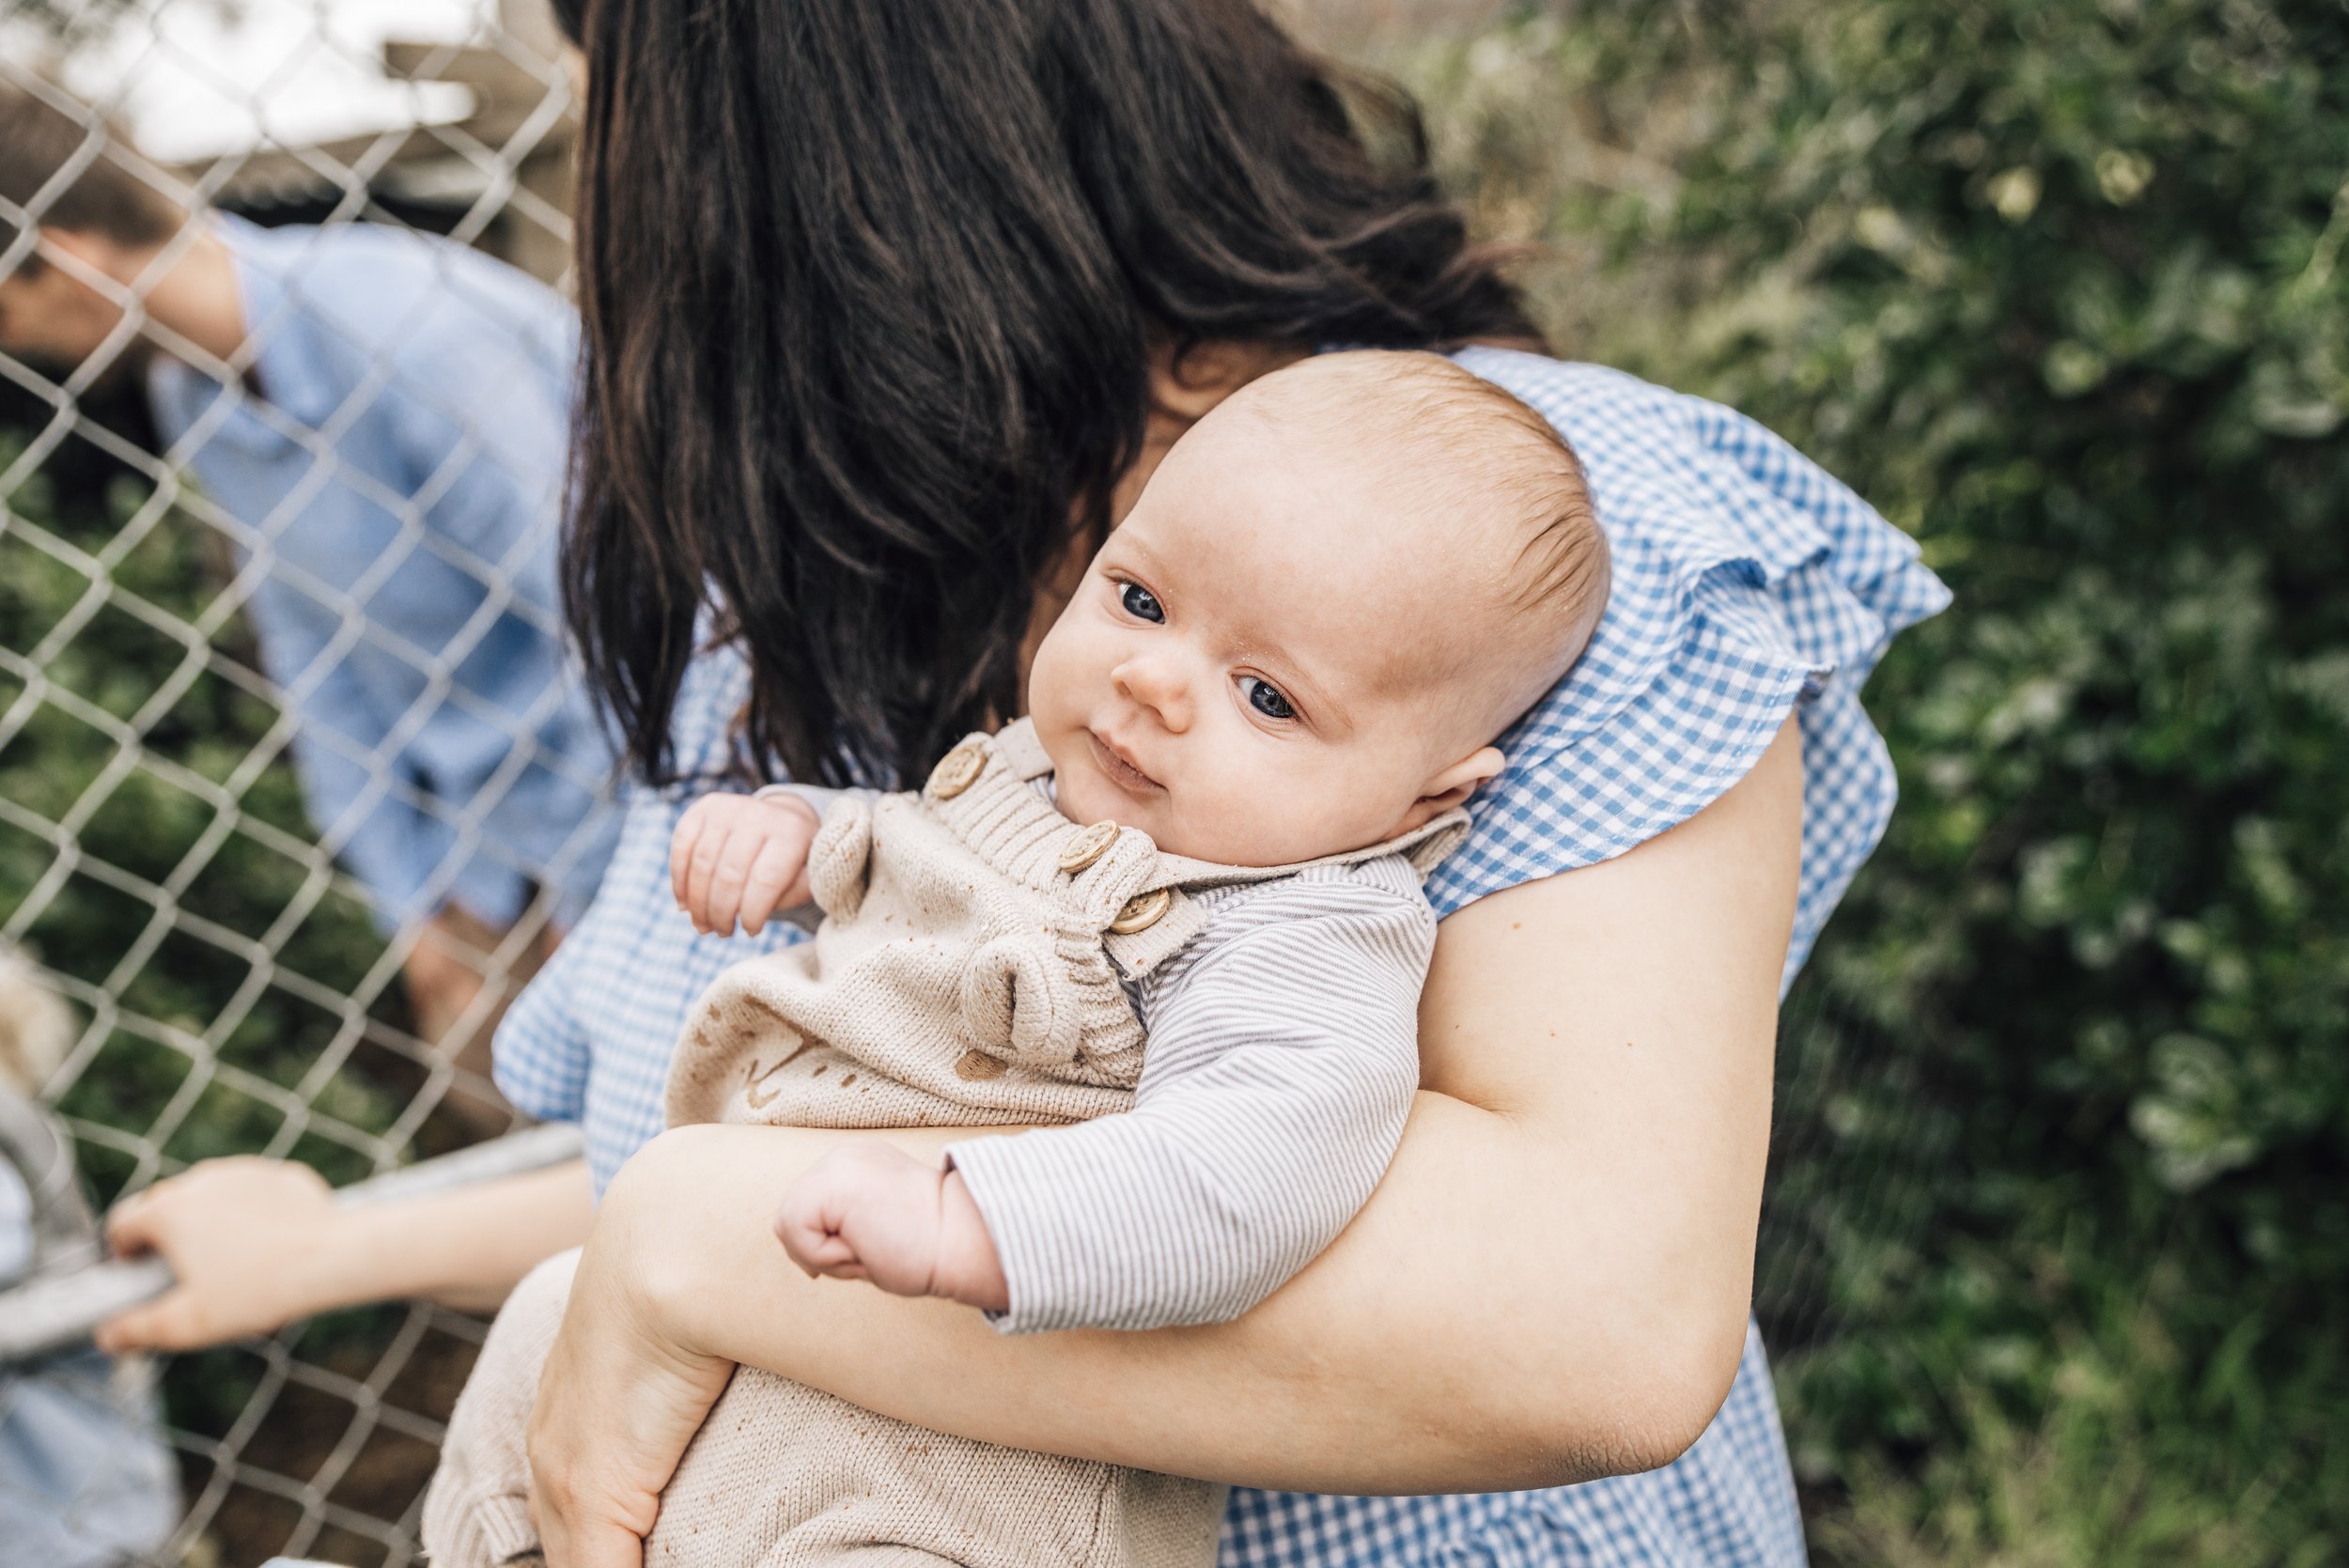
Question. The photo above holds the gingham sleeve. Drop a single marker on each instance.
(539, 1056)
(1749, 585)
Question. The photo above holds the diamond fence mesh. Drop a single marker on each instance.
(190, 967)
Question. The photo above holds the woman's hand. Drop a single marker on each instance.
(628, 1383)
(246, 1238)
(617, 1403)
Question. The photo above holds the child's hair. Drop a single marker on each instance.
(107, 197)
(1457, 447)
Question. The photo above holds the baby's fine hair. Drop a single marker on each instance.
(1445, 434)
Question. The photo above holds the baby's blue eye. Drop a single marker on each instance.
(1265, 698)
(1141, 602)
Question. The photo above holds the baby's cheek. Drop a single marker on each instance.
(1273, 816)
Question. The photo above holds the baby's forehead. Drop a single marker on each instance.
(1372, 600)
(1409, 519)
(1390, 517)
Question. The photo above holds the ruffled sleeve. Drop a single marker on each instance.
(1748, 584)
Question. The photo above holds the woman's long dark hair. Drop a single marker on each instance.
(871, 288)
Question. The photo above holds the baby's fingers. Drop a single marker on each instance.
(776, 881)
(835, 1258)
(744, 846)
(701, 873)
(812, 1244)
(689, 829)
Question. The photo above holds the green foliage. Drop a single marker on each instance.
(2058, 1248)
(192, 871)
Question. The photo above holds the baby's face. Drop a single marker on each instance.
(1267, 662)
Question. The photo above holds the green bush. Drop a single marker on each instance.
(2058, 1247)
(194, 891)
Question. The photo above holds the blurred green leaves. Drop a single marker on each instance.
(2057, 1256)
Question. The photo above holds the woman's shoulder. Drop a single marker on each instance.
(704, 728)
(1748, 583)
(1683, 476)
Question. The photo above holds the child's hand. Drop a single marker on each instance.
(247, 1238)
(867, 1211)
(740, 855)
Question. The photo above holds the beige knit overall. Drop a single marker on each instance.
(966, 974)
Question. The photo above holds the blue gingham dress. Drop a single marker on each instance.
(1748, 584)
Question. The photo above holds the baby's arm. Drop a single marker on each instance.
(1284, 1056)
(745, 855)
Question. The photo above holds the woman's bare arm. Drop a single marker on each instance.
(1551, 1283)
(258, 1243)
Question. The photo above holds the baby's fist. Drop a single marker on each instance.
(740, 856)
(868, 1211)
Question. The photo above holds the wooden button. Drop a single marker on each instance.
(957, 770)
(1142, 911)
(974, 1065)
(1089, 845)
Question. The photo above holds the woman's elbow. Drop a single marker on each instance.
(1667, 1377)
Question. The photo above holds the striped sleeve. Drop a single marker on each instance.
(1282, 1057)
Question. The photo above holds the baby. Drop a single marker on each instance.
(1251, 733)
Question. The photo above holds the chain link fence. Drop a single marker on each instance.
(189, 966)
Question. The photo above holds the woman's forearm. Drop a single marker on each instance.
(1427, 1350)
(254, 1244)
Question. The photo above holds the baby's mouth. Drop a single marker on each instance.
(1120, 768)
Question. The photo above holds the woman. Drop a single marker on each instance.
(890, 308)
(974, 264)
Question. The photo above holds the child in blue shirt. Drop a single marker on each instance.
(379, 422)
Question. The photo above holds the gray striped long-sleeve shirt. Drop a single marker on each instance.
(1282, 1056)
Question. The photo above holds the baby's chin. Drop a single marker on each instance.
(1217, 844)
(1085, 797)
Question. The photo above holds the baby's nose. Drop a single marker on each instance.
(1158, 685)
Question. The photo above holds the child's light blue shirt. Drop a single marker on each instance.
(390, 473)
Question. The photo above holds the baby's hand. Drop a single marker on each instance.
(742, 855)
(867, 1211)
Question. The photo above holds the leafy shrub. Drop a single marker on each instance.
(155, 827)
(2059, 285)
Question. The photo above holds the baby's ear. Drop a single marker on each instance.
(1451, 787)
